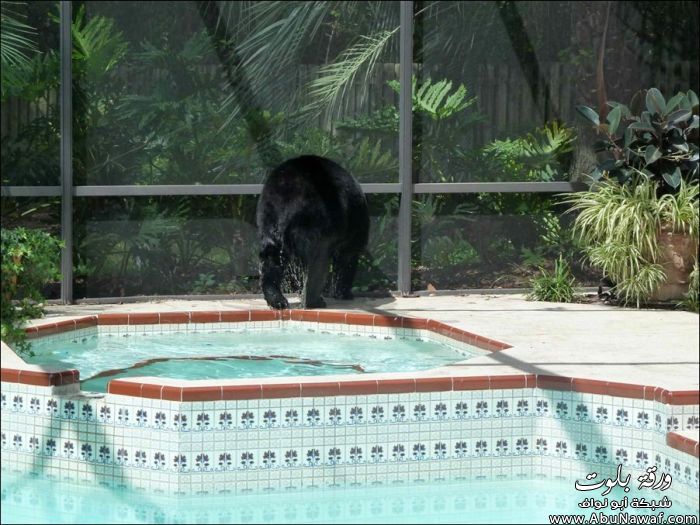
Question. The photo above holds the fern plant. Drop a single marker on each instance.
(435, 100)
(369, 161)
(541, 155)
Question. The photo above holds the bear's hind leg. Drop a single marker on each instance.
(345, 267)
(271, 274)
(315, 277)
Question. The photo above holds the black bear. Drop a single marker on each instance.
(311, 212)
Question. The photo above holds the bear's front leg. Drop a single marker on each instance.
(271, 273)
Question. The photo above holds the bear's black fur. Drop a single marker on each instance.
(313, 212)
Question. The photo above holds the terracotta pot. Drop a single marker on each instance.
(678, 253)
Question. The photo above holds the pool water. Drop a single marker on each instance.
(238, 354)
(31, 500)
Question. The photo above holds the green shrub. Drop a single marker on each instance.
(556, 287)
(654, 138)
(30, 259)
(618, 225)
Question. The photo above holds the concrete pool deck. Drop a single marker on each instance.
(651, 347)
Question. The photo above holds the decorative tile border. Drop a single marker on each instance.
(240, 445)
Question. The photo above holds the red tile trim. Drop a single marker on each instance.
(359, 319)
(359, 388)
(530, 380)
(86, 322)
(415, 323)
(386, 320)
(202, 393)
(205, 317)
(625, 390)
(328, 388)
(396, 386)
(684, 397)
(47, 329)
(54, 328)
(241, 392)
(263, 315)
(589, 386)
(649, 393)
(682, 443)
(463, 336)
(235, 316)
(28, 377)
(144, 318)
(171, 393)
(9, 375)
(433, 384)
(331, 317)
(60, 326)
(309, 316)
(68, 377)
(276, 391)
(35, 378)
(548, 382)
(439, 328)
(663, 396)
(174, 317)
(112, 319)
(151, 391)
(506, 382)
(471, 383)
(124, 388)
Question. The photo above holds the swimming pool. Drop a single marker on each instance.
(215, 353)
(527, 501)
(225, 437)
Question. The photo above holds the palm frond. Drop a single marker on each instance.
(328, 90)
(278, 31)
(16, 46)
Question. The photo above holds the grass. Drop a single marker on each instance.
(555, 287)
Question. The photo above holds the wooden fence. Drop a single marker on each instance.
(504, 98)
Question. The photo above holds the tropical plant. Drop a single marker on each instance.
(29, 261)
(329, 88)
(540, 156)
(431, 99)
(556, 287)
(617, 225)
(653, 138)
(101, 145)
(16, 47)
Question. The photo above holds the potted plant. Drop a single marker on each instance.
(638, 222)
